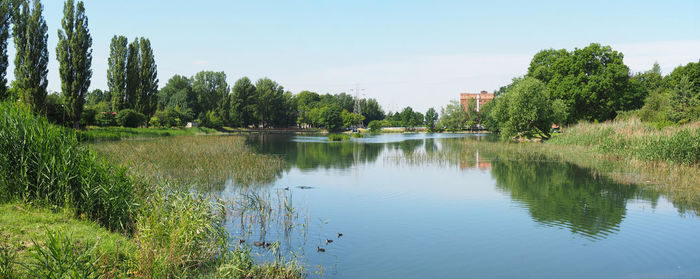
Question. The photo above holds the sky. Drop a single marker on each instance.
(403, 53)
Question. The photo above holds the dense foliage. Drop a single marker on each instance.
(45, 164)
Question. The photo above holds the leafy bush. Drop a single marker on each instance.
(375, 126)
(211, 120)
(130, 118)
(106, 118)
(45, 164)
(88, 117)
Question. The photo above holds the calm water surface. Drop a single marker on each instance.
(420, 206)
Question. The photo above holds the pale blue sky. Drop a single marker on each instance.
(417, 53)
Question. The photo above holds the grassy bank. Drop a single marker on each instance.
(24, 231)
(117, 133)
(636, 140)
(56, 192)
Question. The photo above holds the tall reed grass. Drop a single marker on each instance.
(118, 133)
(632, 138)
(45, 164)
(188, 160)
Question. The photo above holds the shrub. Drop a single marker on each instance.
(130, 118)
(106, 118)
(88, 117)
(375, 126)
(45, 164)
(211, 120)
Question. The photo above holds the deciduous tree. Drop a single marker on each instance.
(116, 73)
(32, 55)
(74, 54)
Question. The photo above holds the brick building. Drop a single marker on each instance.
(481, 98)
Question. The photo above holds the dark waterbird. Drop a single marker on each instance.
(320, 249)
(259, 244)
(286, 188)
(329, 241)
(305, 187)
(339, 235)
(240, 241)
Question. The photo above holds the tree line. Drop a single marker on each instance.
(590, 84)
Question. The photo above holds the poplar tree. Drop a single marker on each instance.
(4, 33)
(149, 80)
(32, 57)
(116, 73)
(133, 83)
(74, 54)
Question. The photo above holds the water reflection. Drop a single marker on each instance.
(310, 155)
(555, 193)
(564, 195)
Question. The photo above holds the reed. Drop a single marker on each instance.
(338, 137)
(208, 161)
(118, 133)
(44, 164)
(632, 138)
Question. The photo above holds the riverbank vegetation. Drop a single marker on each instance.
(679, 182)
(46, 171)
(93, 133)
(193, 160)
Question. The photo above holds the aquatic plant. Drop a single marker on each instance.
(207, 161)
(632, 138)
(338, 137)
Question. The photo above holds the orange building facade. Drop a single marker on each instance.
(481, 98)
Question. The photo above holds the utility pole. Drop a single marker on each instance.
(357, 109)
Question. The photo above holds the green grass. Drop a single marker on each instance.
(338, 137)
(634, 139)
(24, 229)
(189, 160)
(118, 133)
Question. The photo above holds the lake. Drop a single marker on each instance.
(421, 205)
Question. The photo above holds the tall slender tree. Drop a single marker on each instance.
(74, 54)
(133, 83)
(4, 33)
(149, 80)
(32, 57)
(116, 73)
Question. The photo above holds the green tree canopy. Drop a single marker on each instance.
(116, 72)
(525, 110)
(431, 117)
(270, 99)
(5, 13)
(593, 81)
(211, 89)
(243, 103)
(74, 54)
(148, 74)
(32, 54)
